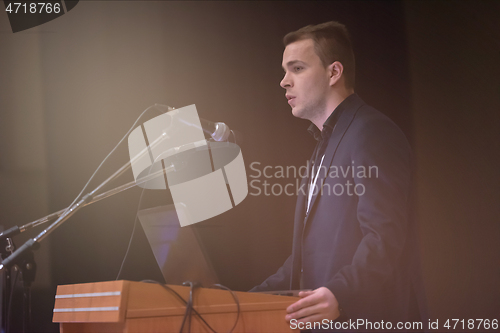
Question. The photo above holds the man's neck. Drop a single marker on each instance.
(334, 101)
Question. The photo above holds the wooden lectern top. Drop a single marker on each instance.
(126, 306)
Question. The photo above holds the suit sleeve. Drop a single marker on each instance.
(278, 281)
(382, 212)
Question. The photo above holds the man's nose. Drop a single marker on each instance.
(285, 82)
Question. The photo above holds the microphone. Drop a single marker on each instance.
(218, 131)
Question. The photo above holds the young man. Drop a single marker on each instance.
(354, 243)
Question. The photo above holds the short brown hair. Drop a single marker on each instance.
(331, 43)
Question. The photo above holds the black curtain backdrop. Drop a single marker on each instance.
(104, 62)
(226, 58)
(228, 63)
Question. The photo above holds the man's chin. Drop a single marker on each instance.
(297, 112)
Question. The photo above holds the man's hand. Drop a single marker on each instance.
(314, 306)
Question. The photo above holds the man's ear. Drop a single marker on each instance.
(335, 70)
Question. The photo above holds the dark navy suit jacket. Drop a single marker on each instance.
(362, 247)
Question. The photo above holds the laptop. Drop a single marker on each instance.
(179, 252)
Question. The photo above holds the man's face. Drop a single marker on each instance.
(306, 80)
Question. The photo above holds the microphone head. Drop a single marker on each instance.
(164, 108)
(221, 132)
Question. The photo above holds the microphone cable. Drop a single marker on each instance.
(167, 288)
(190, 306)
(135, 221)
(236, 300)
(131, 236)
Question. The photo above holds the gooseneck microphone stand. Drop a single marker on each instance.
(23, 256)
(64, 214)
(15, 230)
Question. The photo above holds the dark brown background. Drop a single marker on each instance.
(71, 88)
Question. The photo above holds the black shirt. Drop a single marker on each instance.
(328, 126)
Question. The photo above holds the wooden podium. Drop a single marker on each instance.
(126, 306)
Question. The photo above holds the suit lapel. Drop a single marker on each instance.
(338, 133)
(297, 234)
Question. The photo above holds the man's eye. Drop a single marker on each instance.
(297, 69)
